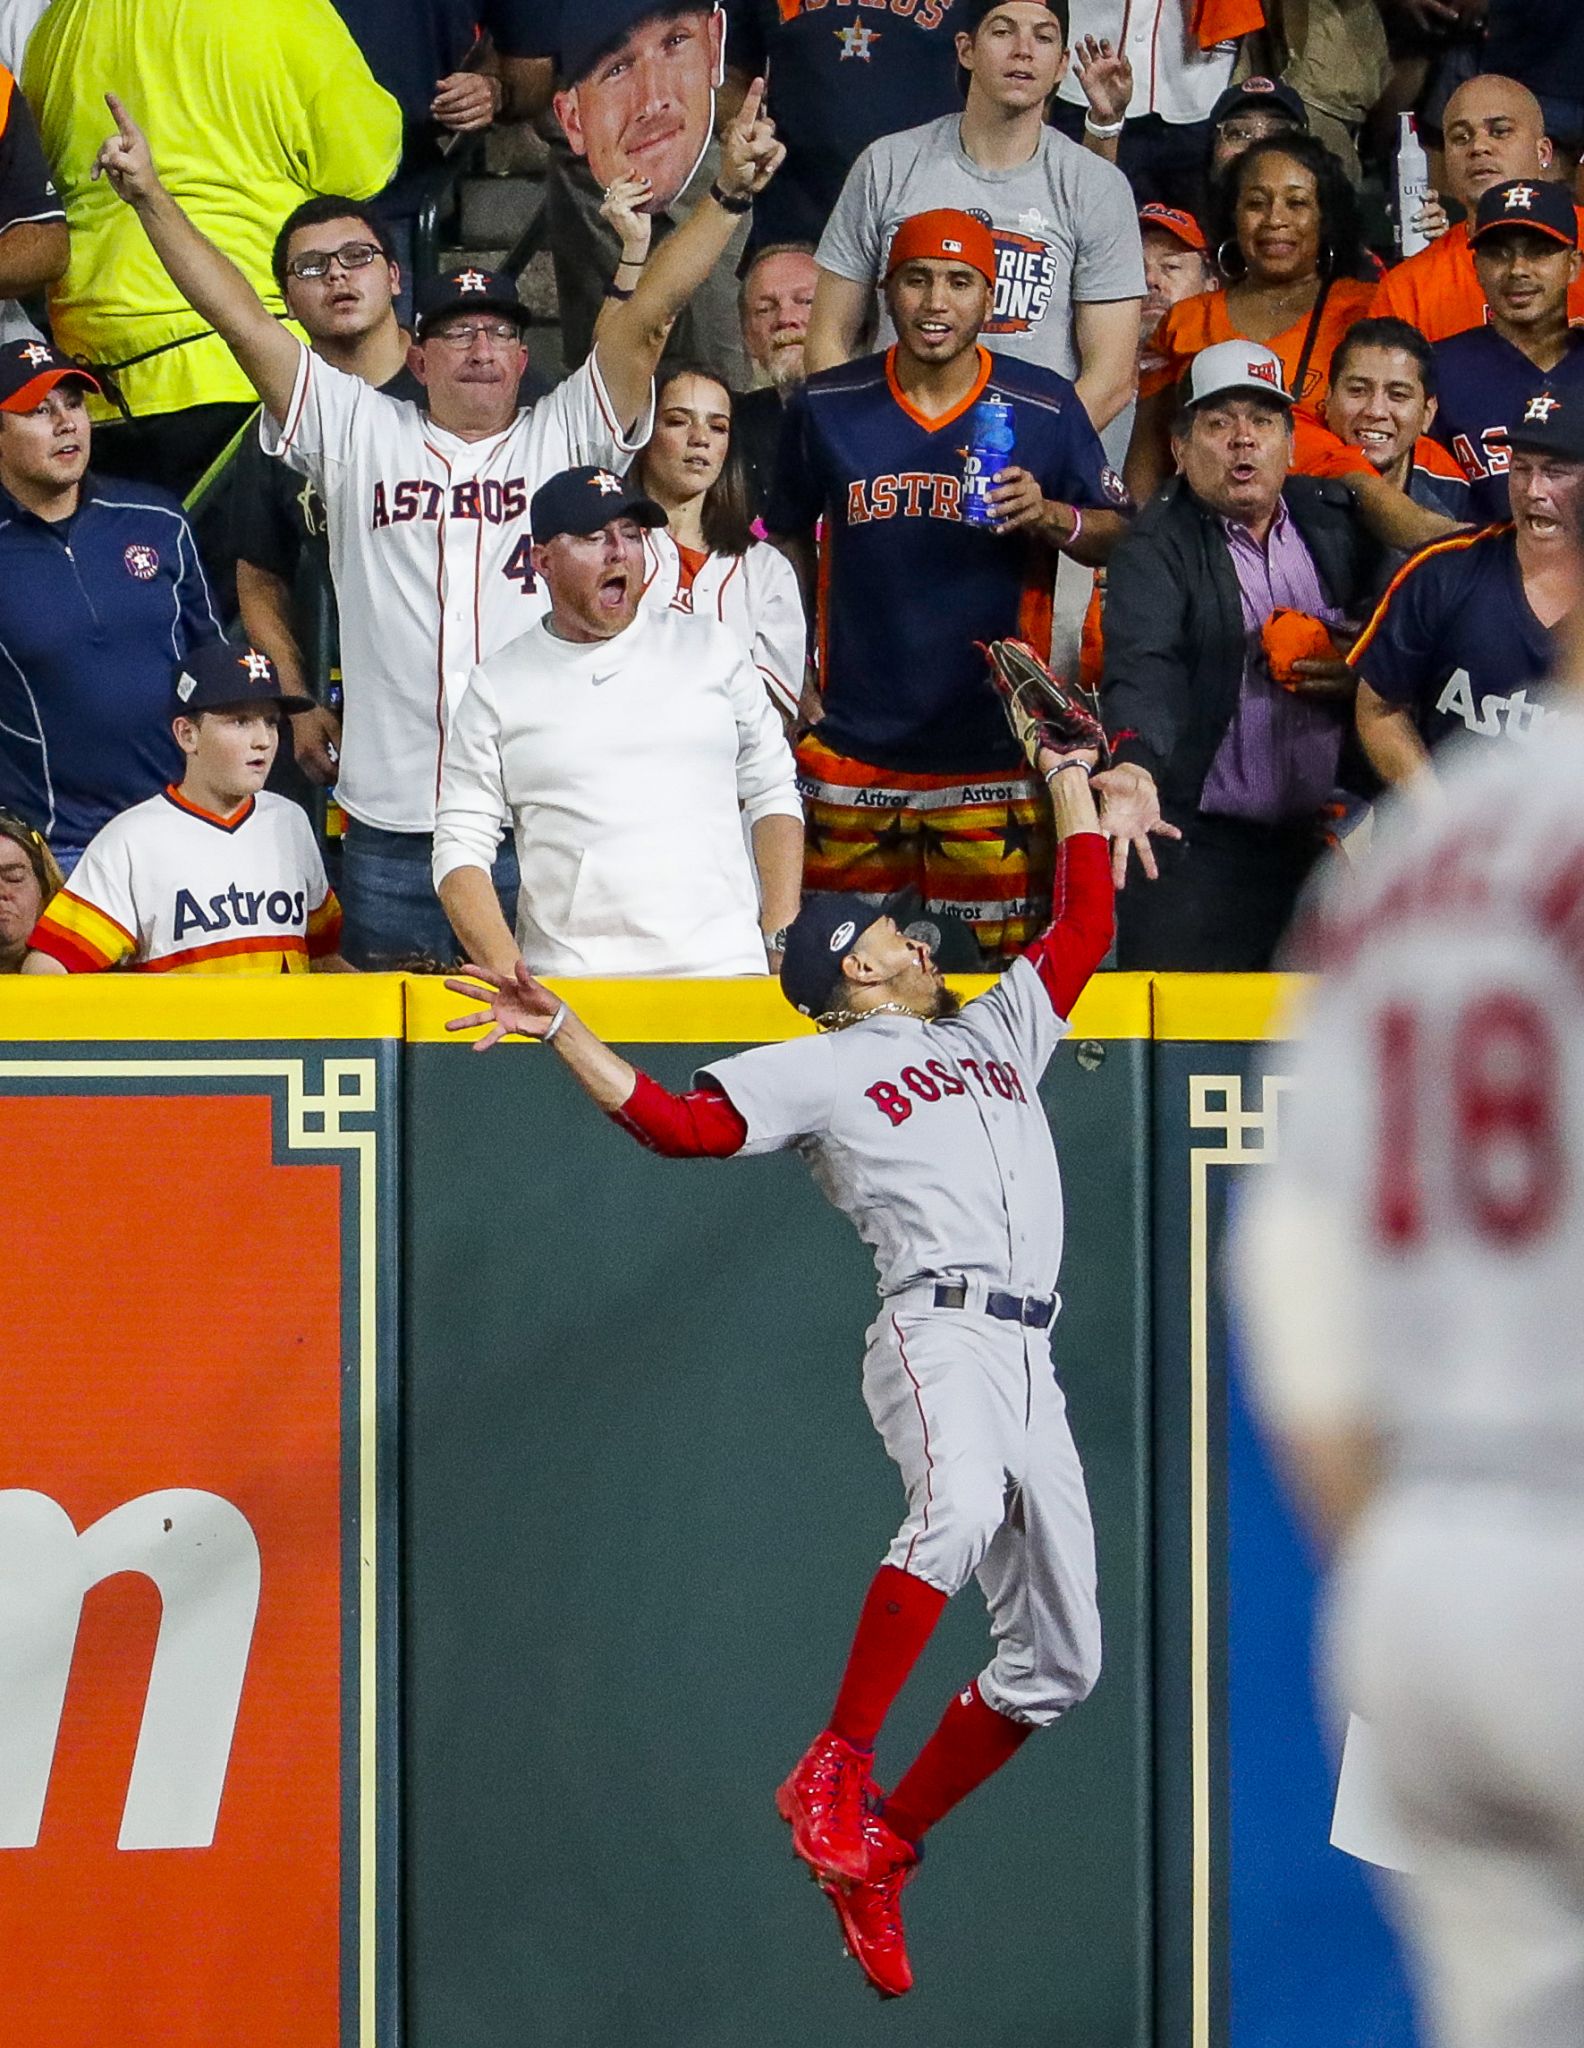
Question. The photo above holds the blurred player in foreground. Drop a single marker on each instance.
(922, 1123)
(1413, 1271)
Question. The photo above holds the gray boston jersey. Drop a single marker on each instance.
(931, 1137)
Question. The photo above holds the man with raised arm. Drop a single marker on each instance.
(921, 1120)
(427, 505)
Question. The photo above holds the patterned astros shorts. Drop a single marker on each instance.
(982, 849)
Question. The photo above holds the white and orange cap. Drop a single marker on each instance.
(1235, 366)
(30, 369)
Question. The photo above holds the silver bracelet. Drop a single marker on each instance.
(1062, 767)
(1103, 131)
(554, 1025)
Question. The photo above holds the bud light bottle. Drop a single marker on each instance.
(990, 444)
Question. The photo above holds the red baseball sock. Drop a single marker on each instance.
(899, 1612)
(972, 1742)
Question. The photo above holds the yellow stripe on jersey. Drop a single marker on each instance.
(80, 936)
(277, 954)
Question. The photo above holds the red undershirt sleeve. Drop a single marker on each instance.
(702, 1124)
(1074, 943)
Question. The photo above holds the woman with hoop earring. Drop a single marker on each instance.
(1289, 243)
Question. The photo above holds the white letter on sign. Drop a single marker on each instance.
(203, 1556)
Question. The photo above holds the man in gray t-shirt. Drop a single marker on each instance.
(1070, 268)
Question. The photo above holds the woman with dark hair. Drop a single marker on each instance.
(1290, 245)
(705, 559)
(29, 877)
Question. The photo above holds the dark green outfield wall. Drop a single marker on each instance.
(642, 1501)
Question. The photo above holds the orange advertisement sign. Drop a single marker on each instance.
(179, 1711)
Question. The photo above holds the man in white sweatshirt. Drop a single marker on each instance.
(627, 749)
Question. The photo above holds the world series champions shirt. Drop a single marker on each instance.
(170, 888)
(906, 587)
(1064, 225)
(1454, 640)
(429, 552)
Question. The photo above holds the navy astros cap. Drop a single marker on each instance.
(1267, 95)
(1535, 203)
(221, 676)
(1549, 425)
(468, 290)
(30, 369)
(584, 499)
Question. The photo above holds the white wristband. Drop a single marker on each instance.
(554, 1025)
(1103, 131)
(1062, 767)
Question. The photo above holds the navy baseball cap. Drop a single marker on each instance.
(221, 676)
(828, 926)
(30, 369)
(1261, 95)
(584, 499)
(1550, 425)
(594, 28)
(1535, 203)
(468, 290)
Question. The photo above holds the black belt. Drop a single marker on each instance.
(1034, 1311)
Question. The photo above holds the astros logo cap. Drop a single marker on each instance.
(220, 676)
(1550, 424)
(947, 235)
(1534, 203)
(30, 369)
(467, 290)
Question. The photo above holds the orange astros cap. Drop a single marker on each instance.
(946, 235)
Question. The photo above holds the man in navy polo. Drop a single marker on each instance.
(1526, 255)
(101, 596)
(1464, 640)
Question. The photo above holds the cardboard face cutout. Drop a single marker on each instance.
(645, 107)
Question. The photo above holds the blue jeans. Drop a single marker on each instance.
(392, 915)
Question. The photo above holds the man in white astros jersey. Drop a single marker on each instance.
(216, 875)
(427, 506)
(1412, 1264)
(922, 1122)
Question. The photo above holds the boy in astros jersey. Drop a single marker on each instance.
(218, 876)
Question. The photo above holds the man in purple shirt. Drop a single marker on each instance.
(1246, 768)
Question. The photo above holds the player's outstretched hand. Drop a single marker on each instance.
(519, 1003)
(1106, 77)
(124, 158)
(750, 153)
(1130, 816)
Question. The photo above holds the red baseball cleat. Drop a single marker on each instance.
(871, 1912)
(823, 1801)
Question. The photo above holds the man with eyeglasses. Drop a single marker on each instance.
(336, 268)
(427, 506)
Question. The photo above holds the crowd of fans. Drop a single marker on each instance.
(626, 661)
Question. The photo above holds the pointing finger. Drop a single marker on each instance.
(753, 99)
(122, 118)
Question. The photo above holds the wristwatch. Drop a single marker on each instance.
(775, 942)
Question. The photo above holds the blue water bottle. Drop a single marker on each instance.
(990, 443)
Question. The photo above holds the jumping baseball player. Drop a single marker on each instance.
(922, 1122)
(427, 507)
(216, 875)
(1411, 1267)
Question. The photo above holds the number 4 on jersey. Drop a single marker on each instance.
(519, 566)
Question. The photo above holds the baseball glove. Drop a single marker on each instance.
(1043, 710)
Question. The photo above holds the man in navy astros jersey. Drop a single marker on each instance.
(1465, 637)
(1526, 256)
(911, 778)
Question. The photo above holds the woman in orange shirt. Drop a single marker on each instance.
(1292, 251)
